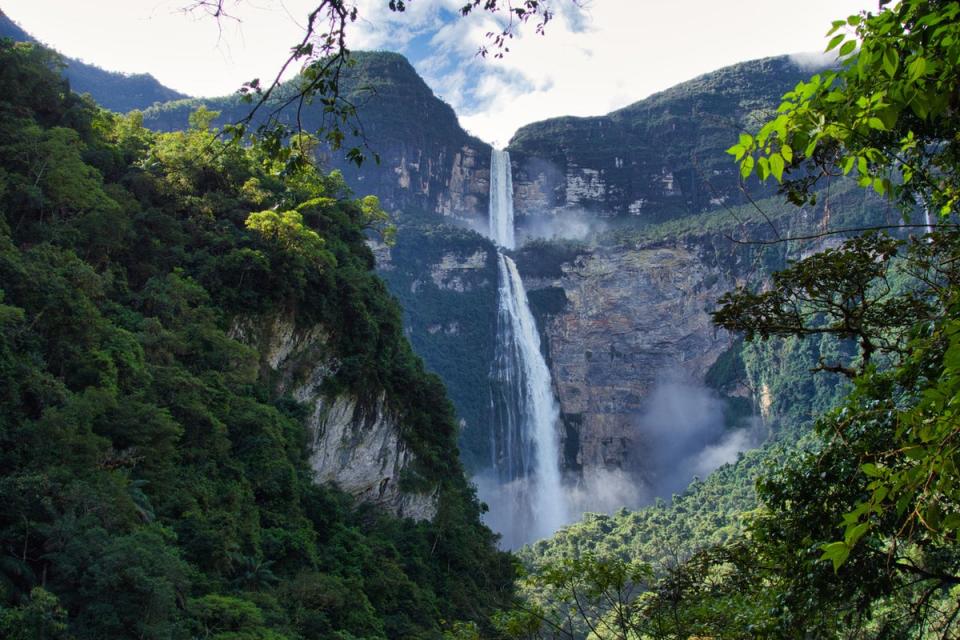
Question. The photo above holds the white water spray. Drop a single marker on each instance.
(525, 442)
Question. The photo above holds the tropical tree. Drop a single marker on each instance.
(885, 467)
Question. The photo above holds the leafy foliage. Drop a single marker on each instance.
(155, 479)
(887, 112)
(848, 292)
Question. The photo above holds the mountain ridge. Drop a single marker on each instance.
(120, 92)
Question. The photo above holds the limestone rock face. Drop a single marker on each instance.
(455, 272)
(359, 450)
(355, 446)
(427, 163)
(655, 159)
(634, 318)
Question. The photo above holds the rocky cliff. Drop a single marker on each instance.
(354, 444)
(428, 165)
(656, 159)
(634, 318)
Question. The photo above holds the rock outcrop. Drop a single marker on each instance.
(656, 159)
(634, 318)
(354, 445)
(419, 161)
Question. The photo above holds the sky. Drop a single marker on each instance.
(596, 55)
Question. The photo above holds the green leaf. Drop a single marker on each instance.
(836, 25)
(835, 552)
(848, 47)
(952, 521)
(776, 166)
(890, 61)
(848, 164)
(877, 123)
(787, 153)
(853, 534)
(917, 68)
(763, 168)
(836, 40)
(746, 167)
(871, 470)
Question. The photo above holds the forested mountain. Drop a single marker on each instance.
(192, 342)
(427, 163)
(120, 92)
(214, 425)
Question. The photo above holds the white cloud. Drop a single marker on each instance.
(589, 62)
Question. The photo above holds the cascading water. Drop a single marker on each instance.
(501, 199)
(525, 443)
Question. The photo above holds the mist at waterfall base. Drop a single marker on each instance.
(681, 435)
(568, 225)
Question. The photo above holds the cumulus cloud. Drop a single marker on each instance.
(814, 60)
(595, 59)
(592, 59)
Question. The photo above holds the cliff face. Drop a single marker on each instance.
(634, 318)
(446, 281)
(656, 159)
(356, 446)
(427, 163)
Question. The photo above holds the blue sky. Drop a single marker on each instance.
(596, 56)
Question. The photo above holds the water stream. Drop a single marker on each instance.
(525, 444)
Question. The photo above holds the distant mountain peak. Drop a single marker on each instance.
(116, 91)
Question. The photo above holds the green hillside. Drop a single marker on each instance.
(155, 483)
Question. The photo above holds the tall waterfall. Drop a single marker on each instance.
(501, 199)
(526, 416)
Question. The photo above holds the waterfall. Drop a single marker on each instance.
(501, 199)
(525, 443)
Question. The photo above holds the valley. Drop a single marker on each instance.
(684, 370)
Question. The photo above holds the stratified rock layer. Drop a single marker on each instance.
(634, 318)
(356, 446)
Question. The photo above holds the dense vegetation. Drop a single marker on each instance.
(854, 534)
(450, 313)
(155, 480)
